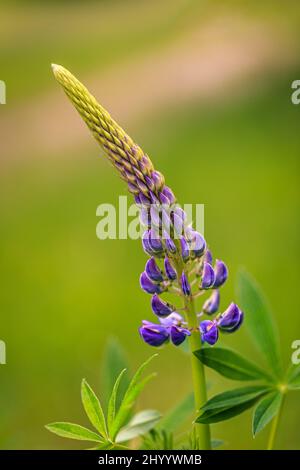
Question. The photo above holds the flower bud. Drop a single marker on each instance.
(178, 334)
(208, 257)
(155, 242)
(185, 252)
(211, 305)
(169, 194)
(148, 286)
(170, 271)
(153, 271)
(221, 273)
(196, 243)
(209, 332)
(208, 276)
(161, 308)
(186, 288)
(231, 319)
(153, 334)
(170, 245)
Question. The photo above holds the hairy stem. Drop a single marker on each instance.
(274, 427)
(198, 373)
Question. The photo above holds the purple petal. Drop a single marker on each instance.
(153, 270)
(186, 289)
(178, 334)
(209, 332)
(153, 334)
(221, 273)
(161, 308)
(148, 286)
(208, 276)
(170, 271)
(211, 305)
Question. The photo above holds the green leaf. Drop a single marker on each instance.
(140, 424)
(73, 431)
(259, 320)
(111, 412)
(114, 361)
(93, 408)
(134, 389)
(230, 364)
(235, 397)
(177, 415)
(293, 377)
(229, 404)
(265, 411)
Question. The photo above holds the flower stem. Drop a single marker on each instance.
(274, 427)
(198, 373)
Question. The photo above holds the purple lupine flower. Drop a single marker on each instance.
(209, 332)
(239, 323)
(153, 334)
(146, 244)
(155, 242)
(208, 276)
(208, 257)
(174, 325)
(153, 271)
(170, 271)
(161, 308)
(170, 245)
(221, 273)
(178, 334)
(231, 319)
(149, 286)
(185, 252)
(186, 288)
(169, 194)
(211, 305)
(196, 243)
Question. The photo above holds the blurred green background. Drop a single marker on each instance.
(205, 88)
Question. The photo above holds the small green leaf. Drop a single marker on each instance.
(178, 415)
(230, 364)
(134, 389)
(73, 431)
(111, 412)
(93, 408)
(114, 361)
(259, 320)
(140, 424)
(265, 411)
(229, 404)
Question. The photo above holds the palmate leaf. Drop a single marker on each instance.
(267, 408)
(230, 364)
(140, 424)
(229, 404)
(259, 321)
(93, 408)
(134, 389)
(73, 431)
(177, 415)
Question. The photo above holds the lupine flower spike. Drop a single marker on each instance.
(179, 261)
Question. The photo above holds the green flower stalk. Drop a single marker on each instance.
(187, 263)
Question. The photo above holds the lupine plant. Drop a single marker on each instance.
(180, 265)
